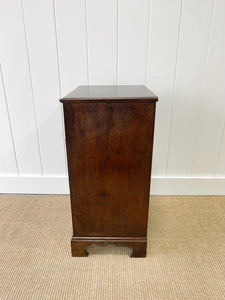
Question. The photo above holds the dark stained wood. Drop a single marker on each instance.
(107, 93)
(79, 246)
(109, 152)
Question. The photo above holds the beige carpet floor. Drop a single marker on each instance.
(185, 258)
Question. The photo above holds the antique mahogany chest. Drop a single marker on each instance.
(109, 140)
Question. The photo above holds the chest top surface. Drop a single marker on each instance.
(107, 93)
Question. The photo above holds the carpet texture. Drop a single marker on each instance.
(185, 257)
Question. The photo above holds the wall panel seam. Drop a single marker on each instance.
(174, 87)
(31, 84)
(117, 41)
(87, 48)
(9, 119)
(220, 150)
(203, 85)
(148, 39)
(59, 81)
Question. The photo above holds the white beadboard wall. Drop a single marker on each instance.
(176, 48)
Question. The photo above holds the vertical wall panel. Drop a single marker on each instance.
(71, 37)
(212, 115)
(102, 41)
(13, 55)
(132, 41)
(176, 48)
(7, 155)
(192, 55)
(220, 168)
(40, 29)
(162, 54)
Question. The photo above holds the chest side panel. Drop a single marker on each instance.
(109, 149)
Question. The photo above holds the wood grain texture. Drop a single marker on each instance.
(80, 247)
(106, 93)
(109, 151)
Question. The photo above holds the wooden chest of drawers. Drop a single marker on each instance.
(109, 140)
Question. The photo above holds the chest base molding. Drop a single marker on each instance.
(80, 245)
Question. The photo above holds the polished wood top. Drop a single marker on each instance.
(109, 93)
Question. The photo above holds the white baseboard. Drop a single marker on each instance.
(188, 186)
(159, 185)
(34, 185)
